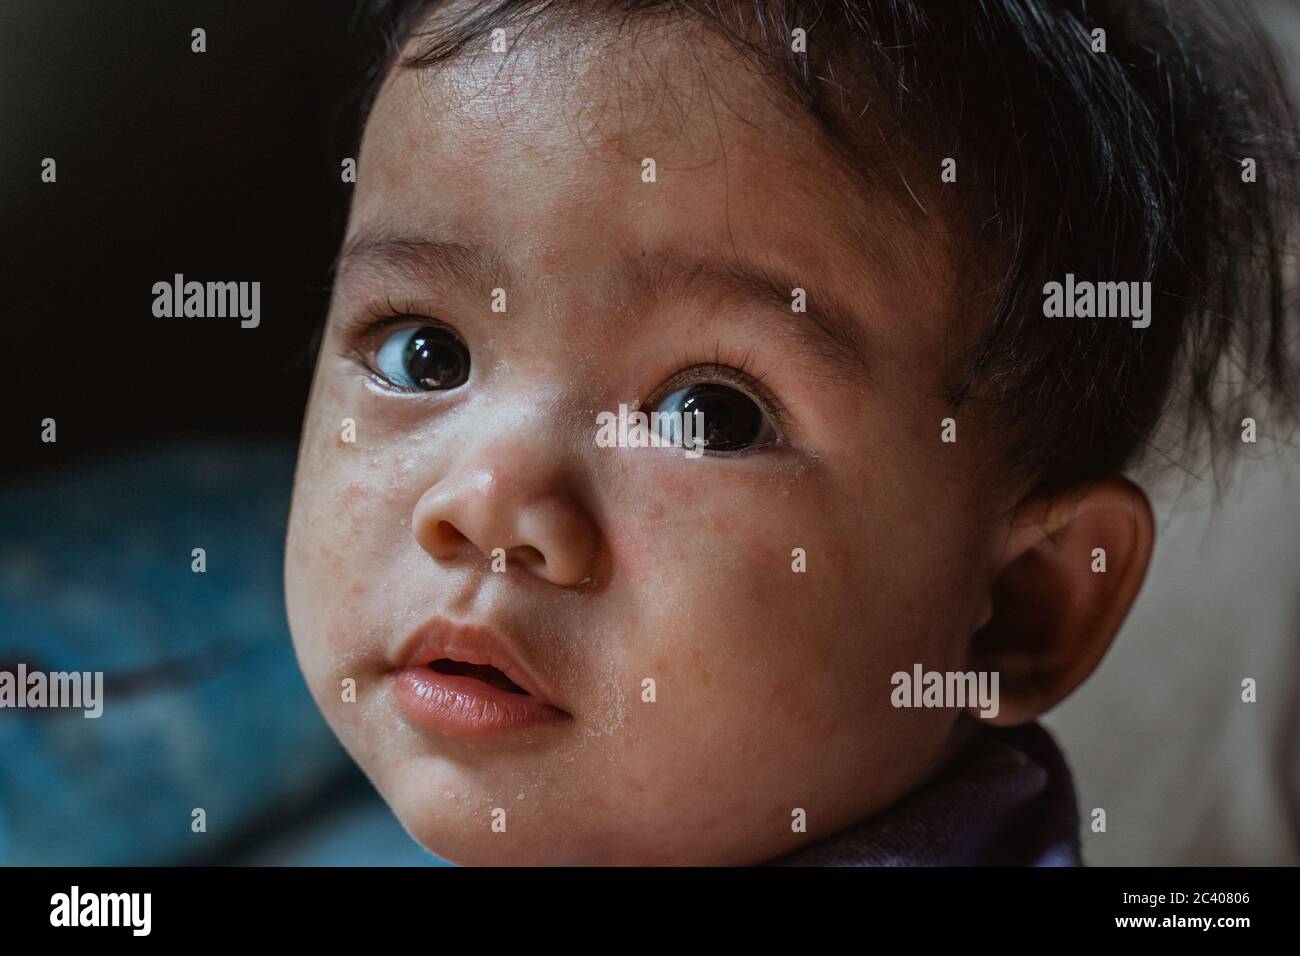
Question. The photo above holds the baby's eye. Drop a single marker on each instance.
(426, 358)
(727, 418)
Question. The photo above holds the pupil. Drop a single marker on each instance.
(436, 359)
(731, 419)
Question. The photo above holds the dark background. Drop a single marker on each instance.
(223, 165)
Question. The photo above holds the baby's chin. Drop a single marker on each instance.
(468, 814)
(459, 820)
(469, 829)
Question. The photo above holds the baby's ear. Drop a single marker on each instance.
(1069, 572)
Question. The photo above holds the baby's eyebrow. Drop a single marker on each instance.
(419, 258)
(828, 327)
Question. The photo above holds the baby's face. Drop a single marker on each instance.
(702, 688)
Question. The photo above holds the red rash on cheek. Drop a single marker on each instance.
(338, 636)
(700, 669)
(352, 494)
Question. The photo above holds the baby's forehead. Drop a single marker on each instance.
(621, 143)
(671, 91)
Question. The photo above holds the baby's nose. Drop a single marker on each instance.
(529, 512)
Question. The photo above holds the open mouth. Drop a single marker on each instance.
(443, 682)
(484, 672)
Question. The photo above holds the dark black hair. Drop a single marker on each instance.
(1122, 165)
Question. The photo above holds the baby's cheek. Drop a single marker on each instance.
(337, 523)
(733, 615)
(783, 578)
(324, 427)
(791, 592)
(357, 490)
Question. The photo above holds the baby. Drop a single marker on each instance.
(832, 238)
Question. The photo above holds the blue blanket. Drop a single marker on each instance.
(204, 707)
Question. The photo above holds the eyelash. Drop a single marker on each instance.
(360, 330)
(732, 368)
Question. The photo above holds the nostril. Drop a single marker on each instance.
(529, 557)
(447, 534)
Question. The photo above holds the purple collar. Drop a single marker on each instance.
(1007, 800)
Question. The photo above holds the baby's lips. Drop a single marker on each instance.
(468, 643)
